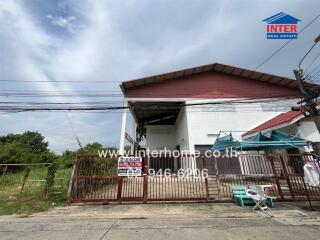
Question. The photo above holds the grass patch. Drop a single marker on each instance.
(31, 199)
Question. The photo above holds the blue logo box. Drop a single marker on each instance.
(282, 35)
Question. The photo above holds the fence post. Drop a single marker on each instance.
(119, 180)
(4, 173)
(270, 158)
(217, 175)
(71, 180)
(205, 166)
(285, 170)
(25, 177)
(145, 179)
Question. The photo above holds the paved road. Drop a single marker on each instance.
(189, 221)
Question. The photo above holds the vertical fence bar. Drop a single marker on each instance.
(119, 180)
(270, 158)
(145, 179)
(217, 175)
(4, 173)
(205, 165)
(285, 170)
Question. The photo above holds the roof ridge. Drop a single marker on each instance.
(218, 67)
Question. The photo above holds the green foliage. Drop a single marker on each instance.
(26, 174)
(52, 169)
(68, 156)
(28, 147)
(31, 200)
(34, 142)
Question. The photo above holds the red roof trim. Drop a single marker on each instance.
(278, 120)
(283, 118)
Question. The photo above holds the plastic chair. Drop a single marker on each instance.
(260, 197)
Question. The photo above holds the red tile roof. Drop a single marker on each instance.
(280, 119)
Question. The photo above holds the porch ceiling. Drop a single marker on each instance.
(156, 113)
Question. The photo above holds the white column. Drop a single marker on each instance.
(191, 160)
(134, 132)
(123, 128)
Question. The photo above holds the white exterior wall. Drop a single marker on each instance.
(159, 137)
(181, 127)
(308, 130)
(200, 125)
(169, 136)
(204, 124)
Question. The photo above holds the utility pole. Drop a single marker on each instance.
(309, 97)
(310, 106)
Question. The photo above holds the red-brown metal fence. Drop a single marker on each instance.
(190, 178)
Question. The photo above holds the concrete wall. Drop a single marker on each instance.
(308, 130)
(205, 122)
(160, 136)
(201, 124)
(169, 136)
(181, 127)
(305, 129)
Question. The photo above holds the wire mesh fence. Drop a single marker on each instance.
(31, 180)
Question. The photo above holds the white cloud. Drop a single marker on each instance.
(68, 23)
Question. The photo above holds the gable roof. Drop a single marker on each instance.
(281, 18)
(217, 67)
(281, 120)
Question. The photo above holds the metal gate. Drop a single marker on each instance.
(95, 179)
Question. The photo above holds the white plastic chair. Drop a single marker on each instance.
(259, 196)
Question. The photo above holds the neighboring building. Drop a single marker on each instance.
(171, 110)
(293, 123)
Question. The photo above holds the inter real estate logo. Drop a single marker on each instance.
(282, 26)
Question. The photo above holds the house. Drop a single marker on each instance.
(292, 122)
(187, 109)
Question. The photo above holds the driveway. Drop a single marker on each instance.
(164, 221)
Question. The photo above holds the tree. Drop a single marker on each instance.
(34, 141)
(28, 147)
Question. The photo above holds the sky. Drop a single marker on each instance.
(114, 41)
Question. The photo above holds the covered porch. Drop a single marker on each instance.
(160, 128)
(155, 125)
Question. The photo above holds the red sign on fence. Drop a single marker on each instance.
(129, 166)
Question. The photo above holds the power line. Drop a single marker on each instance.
(59, 81)
(59, 91)
(313, 61)
(59, 103)
(73, 130)
(108, 108)
(286, 43)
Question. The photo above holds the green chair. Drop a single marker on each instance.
(240, 197)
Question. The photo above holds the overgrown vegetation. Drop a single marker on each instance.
(30, 147)
(31, 199)
(45, 186)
